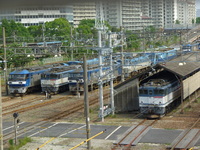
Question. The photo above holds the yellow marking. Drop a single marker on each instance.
(45, 143)
(87, 140)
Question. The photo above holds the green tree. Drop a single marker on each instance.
(35, 31)
(14, 30)
(193, 21)
(132, 42)
(59, 27)
(86, 27)
(198, 20)
(177, 22)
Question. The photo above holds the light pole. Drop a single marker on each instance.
(5, 60)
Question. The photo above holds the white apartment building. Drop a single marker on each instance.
(126, 14)
(129, 14)
(37, 15)
(186, 11)
(83, 10)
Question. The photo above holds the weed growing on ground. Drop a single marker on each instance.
(21, 143)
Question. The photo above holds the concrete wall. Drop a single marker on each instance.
(126, 97)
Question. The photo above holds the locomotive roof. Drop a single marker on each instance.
(63, 69)
(28, 70)
(90, 68)
(36, 68)
(157, 83)
(183, 65)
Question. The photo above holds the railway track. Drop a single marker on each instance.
(21, 103)
(72, 108)
(187, 139)
(133, 135)
(34, 106)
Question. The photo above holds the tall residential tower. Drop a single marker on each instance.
(129, 14)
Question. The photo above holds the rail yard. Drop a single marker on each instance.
(37, 113)
(48, 102)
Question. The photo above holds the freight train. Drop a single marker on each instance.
(158, 94)
(31, 77)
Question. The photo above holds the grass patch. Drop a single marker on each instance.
(21, 143)
(187, 109)
(197, 100)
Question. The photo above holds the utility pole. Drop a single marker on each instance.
(122, 55)
(99, 25)
(5, 60)
(1, 120)
(87, 118)
(111, 77)
(71, 44)
(43, 34)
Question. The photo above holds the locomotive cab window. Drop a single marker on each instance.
(16, 77)
(159, 92)
(43, 76)
(150, 92)
(143, 91)
(54, 76)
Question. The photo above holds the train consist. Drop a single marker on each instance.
(159, 94)
(76, 80)
(137, 62)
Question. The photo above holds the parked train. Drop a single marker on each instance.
(27, 80)
(162, 56)
(132, 64)
(158, 94)
(137, 63)
(56, 80)
(190, 47)
(76, 80)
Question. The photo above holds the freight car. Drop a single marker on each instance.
(159, 94)
(134, 65)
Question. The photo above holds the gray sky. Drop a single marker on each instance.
(198, 4)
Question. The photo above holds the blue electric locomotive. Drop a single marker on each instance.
(159, 94)
(24, 81)
(27, 80)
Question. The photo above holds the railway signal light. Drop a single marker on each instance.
(15, 115)
(16, 121)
